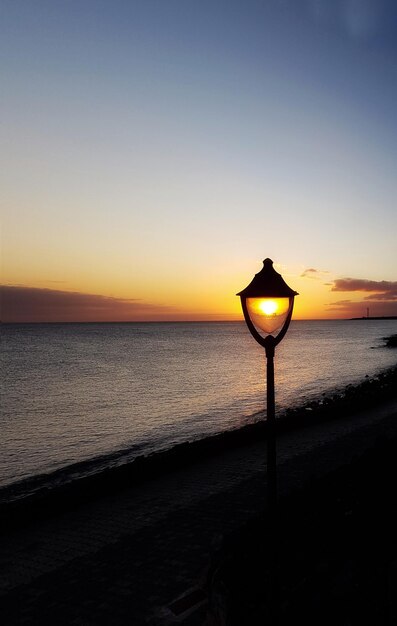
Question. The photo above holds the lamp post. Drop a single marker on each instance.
(267, 305)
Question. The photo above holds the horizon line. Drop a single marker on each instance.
(209, 321)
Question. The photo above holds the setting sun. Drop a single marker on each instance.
(268, 307)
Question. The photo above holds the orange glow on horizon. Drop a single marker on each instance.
(49, 303)
(165, 296)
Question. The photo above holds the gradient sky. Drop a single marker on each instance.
(154, 152)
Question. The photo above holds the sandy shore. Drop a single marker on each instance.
(125, 552)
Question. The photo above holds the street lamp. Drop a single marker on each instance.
(267, 305)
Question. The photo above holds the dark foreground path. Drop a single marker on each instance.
(124, 559)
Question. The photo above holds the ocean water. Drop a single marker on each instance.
(110, 392)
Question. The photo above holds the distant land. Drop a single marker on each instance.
(389, 317)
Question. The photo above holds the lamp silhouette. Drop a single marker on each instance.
(267, 305)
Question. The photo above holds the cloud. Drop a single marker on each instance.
(377, 308)
(341, 303)
(32, 304)
(381, 290)
(380, 297)
(311, 272)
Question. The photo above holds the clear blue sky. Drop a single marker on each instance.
(159, 150)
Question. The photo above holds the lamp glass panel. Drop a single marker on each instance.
(269, 314)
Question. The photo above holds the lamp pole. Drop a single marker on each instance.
(271, 428)
(271, 472)
(267, 304)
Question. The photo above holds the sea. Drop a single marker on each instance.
(79, 398)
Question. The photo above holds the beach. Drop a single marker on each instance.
(144, 551)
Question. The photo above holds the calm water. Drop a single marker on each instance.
(109, 392)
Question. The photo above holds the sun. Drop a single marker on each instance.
(268, 307)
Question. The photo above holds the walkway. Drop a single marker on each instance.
(123, 559)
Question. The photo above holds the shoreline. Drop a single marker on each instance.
(73, 436)
(41, 495)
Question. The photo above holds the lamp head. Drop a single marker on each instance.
(267, 304)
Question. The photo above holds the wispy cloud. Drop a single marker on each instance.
(311, 272)
(32, 304)
(341, 303)
(377, 308)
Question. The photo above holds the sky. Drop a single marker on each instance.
(154, 152)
